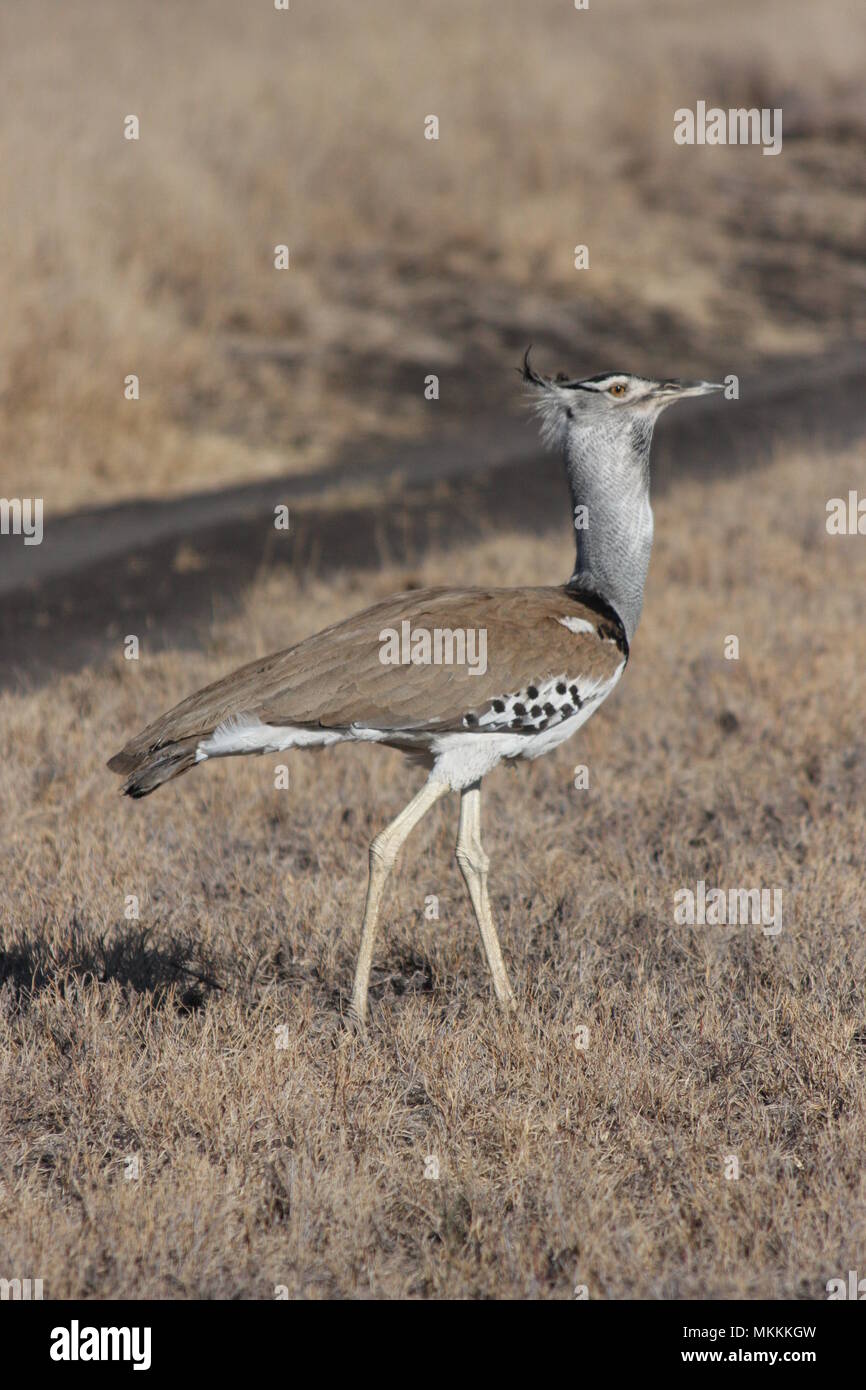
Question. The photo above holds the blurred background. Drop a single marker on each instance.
(407, 256)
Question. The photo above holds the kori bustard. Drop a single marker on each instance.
(551, 655)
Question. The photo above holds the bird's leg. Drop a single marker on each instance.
(474, 865)
(383, 852)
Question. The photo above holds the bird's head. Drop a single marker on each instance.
(610, 403)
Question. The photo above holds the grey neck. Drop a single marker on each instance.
(608, 474)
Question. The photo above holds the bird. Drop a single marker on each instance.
(519, 670)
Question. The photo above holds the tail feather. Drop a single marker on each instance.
(149, 769)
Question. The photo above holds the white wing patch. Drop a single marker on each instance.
(576, 624)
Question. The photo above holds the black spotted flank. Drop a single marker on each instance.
(499, 706)
(519, 709)
(561, 688)
(470, 719)
(532, 692)
(535, 711)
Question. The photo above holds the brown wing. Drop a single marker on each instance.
(525, 644)
(337, 677)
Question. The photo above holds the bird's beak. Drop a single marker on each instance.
(669, 391)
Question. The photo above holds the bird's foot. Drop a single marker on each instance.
(356, 1021)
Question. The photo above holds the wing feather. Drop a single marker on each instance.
(336, 678)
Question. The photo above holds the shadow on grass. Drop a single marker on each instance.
(173, 971)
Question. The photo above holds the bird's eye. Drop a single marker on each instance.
(618, 388)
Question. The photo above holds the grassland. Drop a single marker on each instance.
(303, 1164)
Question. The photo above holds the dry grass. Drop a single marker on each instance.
(305, 1166)
(407, 256)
